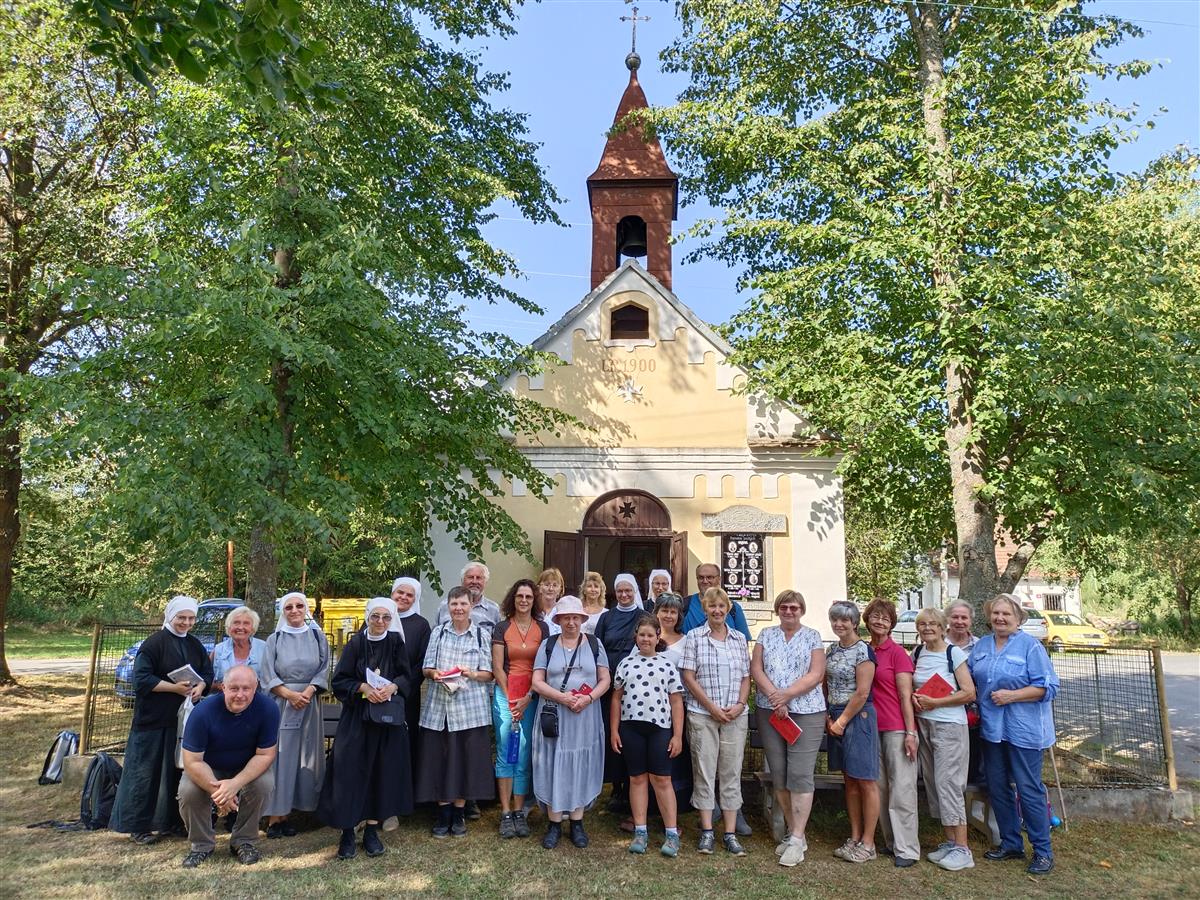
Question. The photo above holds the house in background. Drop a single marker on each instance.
(1055, 592)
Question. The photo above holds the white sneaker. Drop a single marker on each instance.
(943, 848)
(957, 859)
(793, 855)
(782, 846)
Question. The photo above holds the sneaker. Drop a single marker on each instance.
(145, 837)
(472, 810)
(942, 849)
(903, 862)
(347, 846)
(578, 836)
(639, 843)
(843, 852)
(441, 828)
(793, 855)
(742, 827)
(458, 823)
(707, 841)
(371, 842)
(1041, 865)
(861, 853)
(553, 834)
(670, 846)
(508, 825)
(733, 845)
(247, 854)
(520, 824)
(957, 859)
(996, 854)
(782, 846)
(196, 857)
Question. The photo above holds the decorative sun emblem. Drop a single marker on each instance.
(630, 391)
(628, 510)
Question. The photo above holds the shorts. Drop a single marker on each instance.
(645, 748)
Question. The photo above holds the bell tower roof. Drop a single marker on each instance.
(633, 194)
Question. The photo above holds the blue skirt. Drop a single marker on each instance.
(856, 752)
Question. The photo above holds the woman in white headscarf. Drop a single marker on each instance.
(406, 594)
(657, 584)
(146, 807)
(296, 671)
(368, 777)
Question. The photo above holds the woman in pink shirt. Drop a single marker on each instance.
(892, 692)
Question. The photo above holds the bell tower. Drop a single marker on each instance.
(634, 195)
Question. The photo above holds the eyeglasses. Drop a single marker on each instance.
(789, 607)
(380, 617)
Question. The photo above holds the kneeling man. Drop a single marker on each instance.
(228, 748)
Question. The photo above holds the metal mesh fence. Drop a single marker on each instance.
(1107, 717)
(109, 711)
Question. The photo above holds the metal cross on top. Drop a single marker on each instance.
(635, 18)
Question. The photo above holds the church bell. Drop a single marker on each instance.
(631, 237)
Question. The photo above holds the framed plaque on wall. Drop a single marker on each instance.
(743, 566)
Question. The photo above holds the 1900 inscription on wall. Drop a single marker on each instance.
(629, 366)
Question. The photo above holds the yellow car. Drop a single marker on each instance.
(1065, 631)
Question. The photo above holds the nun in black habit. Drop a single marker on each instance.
(368, 777)
(146, 807)
(406, 593)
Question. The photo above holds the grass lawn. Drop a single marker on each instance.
(24, 642)
(1094, 860)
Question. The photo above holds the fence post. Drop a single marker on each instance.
(85, 736)
(1164, 719)
(1100, 709)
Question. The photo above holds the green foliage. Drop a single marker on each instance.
(295, 357)
(897, 229)
(882, 560)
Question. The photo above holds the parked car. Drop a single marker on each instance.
(1067, 631)
(905, 632)
(1035, 625)
(209, 628)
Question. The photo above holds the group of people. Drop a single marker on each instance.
(540, 700)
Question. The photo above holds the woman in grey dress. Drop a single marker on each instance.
(295, 671)
(571, 675)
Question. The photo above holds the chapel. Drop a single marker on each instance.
(677, 465)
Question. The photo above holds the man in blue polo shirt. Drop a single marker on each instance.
(709, 576)
(228, 749)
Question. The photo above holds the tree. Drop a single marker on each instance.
(297, 355)
(882, 559)
(1000, 329)
(65, 131)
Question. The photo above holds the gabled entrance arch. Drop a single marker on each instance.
(622, 531)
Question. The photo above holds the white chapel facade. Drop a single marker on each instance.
(676, 465)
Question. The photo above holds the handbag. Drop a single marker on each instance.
(548, 718)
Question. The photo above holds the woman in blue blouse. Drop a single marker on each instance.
(240, 647)
(1015, 685)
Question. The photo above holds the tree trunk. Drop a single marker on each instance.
(1183, 603)
(10, 516)
(943, 576)
(262, 577)
(974, 520)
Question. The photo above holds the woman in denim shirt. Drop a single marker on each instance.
(1015, 685)
(240, 648)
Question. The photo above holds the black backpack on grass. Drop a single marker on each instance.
(64, 745)
(99, 792)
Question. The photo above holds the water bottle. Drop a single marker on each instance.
(512, 752)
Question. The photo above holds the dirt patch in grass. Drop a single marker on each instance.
(1094, 859)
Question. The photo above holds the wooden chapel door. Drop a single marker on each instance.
(563, 550)
(679, 563)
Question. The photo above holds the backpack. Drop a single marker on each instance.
(99, 792)
(593, 642)
(64, 745)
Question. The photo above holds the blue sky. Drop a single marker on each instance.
(567, 72)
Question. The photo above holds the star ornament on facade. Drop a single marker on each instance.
(630, 391)
(628, 510)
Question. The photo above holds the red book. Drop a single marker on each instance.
(936, 687)
(787, 729)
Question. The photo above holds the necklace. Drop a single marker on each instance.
(524, 634)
